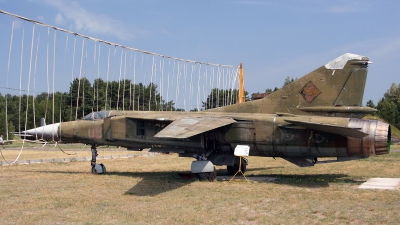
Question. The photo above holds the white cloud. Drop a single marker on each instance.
(387, 48)
(383, 48)
(85, 21)
(341, 9)
(254, 2)
(59, 19)
(349, 6)
(18, 24)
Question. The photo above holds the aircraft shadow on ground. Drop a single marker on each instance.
(313, 180)
(151, 183)
(264, 168)
(154, 183)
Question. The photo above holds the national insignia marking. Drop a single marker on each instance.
(310, 92)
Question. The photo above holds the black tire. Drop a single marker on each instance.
(207, 176)
(102, 166)
(233, 169)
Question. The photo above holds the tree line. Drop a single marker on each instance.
(24, 112)
(389, 105)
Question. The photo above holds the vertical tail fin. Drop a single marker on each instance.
(340, 82)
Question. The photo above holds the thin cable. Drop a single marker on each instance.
(98, 79)
(34, 82)
(94, 75)
(119, 77)
(79, 80)
(108, 72)
(151, 80)
(134, 81)
(123, 92)
(8, 72)
(72, 74)
(130, 84)
(162, 62)
(54, 74)
(178, 76)
(198, 89)
(29, 75)
(191, 84)
(47, 73)
(63, 73)
(20, 77)
(110, 43)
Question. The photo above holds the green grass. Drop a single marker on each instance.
(148, 190)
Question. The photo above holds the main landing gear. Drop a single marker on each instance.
(204, 170)
(233, 169)
(96, 168)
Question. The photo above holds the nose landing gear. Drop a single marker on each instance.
(96, 168)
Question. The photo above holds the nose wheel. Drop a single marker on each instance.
(96, 168)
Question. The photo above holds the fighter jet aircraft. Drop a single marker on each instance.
(316, 116)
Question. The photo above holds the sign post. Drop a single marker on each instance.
(241, 150)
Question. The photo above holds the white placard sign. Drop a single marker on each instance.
(242, 150)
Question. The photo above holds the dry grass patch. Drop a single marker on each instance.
(36, 151)
(148, 190)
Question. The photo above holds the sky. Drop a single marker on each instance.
(273, 39)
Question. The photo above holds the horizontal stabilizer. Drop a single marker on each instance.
(335, 109)
(189, 126)
(329, 128)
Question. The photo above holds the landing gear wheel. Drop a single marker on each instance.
(207, 176)
(99, 169)
(233, 169)
(96, 168)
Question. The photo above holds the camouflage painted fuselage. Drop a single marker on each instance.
(266, 134)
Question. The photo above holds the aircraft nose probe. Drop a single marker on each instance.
(47, 132)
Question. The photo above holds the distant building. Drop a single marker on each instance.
(260, 95)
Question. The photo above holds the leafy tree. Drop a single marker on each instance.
(371, 104)
(222, 97)
(389, 106)
(24, 112)
(387, 110)
(288, 80)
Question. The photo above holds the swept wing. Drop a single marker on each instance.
(189, 126)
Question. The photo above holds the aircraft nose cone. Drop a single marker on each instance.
(48, 132)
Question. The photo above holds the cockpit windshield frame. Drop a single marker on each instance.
(97, 115)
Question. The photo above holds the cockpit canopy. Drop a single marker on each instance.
(97, 115)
